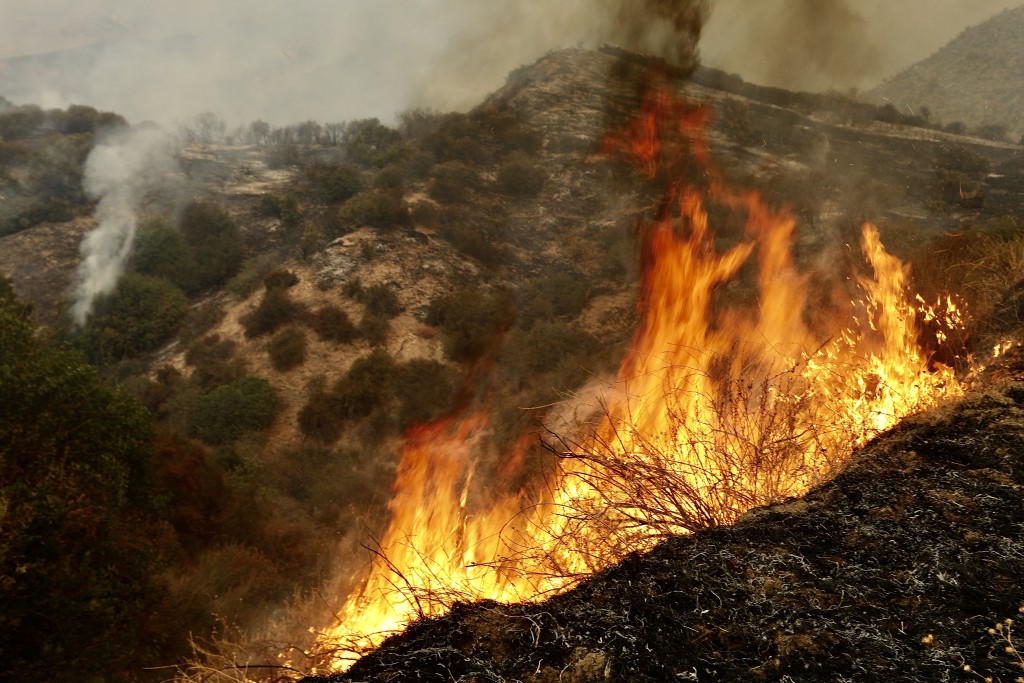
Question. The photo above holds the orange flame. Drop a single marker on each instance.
(716, 409)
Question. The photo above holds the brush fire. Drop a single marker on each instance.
(719, 405)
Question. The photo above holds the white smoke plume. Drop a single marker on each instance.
(119, 172)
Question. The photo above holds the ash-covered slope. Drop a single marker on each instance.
(893, 571)
(977, 79)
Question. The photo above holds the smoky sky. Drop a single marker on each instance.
(833, 44)
(333, 60)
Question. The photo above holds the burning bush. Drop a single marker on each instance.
(721, 403)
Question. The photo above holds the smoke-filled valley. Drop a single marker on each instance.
(271, 393)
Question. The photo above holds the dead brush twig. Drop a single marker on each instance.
(752, 442)
(223, 660)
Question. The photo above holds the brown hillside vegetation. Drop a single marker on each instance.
(975, 80)
(898, 569)
(372, 279)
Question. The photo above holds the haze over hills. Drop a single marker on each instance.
(977, 79)
(300, 302)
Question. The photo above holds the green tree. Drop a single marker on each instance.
(367, 141)
(231, 410)
(77, 515)
(471, 320)
(136, 317)
(214, 241)
(383, 209)
(160, 251)
(334, 183)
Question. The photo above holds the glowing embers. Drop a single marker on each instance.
(717, 408)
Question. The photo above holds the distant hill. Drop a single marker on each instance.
(977, 79)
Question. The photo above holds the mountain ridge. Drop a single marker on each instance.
(975, 80)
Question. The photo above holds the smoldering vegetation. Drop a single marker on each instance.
(119, 172)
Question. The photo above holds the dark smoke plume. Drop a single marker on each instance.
(669, 29)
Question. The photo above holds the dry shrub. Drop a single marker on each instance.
(757, 443)
(287, 349)
(274, 310)
(332, 324)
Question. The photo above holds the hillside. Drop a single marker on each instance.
(898, 569)
(976, 80)
(300, 301)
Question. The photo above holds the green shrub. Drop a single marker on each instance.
(212, 360)
(81, 537)
(200, 319)
(214, 241)
(510, 135)
(287, 349)
(425, 214)
(317, 420)
(333, 183)
(331, 323)
(253, 271)
(561, 294)
(274, 310)
(390, 178)
(381, 300)
(21, 121)
(521, 176)
(544, 346)
(471, 321)
(454, 182)
(231, 410)
(283, 154)
(353, 289)
(471, 236)
(367, 142)
(377, 208)
(368, 385)
(160, 251)
(457, 137)
(427, 390)
(138, 316)
(280, 206)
